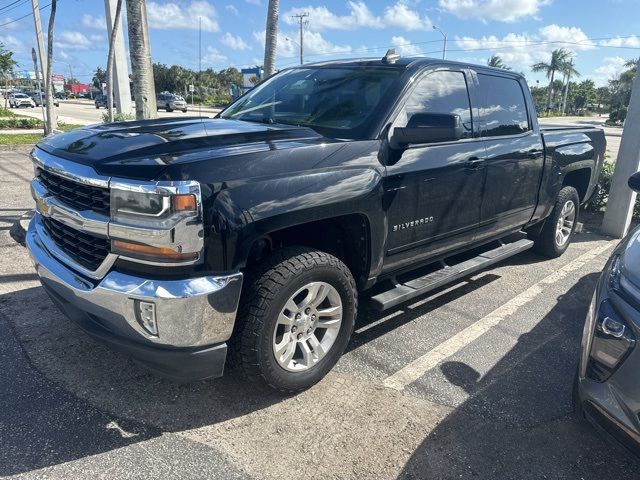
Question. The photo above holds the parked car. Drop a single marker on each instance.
(17, 100)
(170, 102)
(100, 100)
(257, 230)
(607, 388)
(38, 99)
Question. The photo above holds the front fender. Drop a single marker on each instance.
(257, 208)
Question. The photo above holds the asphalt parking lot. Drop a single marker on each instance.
(473, 381)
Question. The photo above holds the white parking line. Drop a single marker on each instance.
(414, 370)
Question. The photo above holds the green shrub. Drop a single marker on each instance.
(118, 117)
(599, 201)
(19, 123)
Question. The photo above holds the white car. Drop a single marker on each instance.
(17, 100)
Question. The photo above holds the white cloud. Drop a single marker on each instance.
(403, 46)
(232, 9)
(631, 41)
(212, 56)
(97, 38)
(95, 22)
(359, 16)
(174, 16)
(567, 37)
(314, 44)
(12, 43)
(254, 2)
(610, 69)
(523, 50)
(9, 23)
(500, 10)
(233, 42)
(400, 15)
(72, 41)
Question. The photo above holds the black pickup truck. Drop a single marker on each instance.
(256, 231)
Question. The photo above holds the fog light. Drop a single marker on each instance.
(146, 316)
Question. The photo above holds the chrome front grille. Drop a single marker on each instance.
(76, 195)
(88, 250)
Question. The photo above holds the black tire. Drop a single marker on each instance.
(545, 243)
(576, 403)
(168, 109)
(97, 107)
(267, 289)
(184, 111)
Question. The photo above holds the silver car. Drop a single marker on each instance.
(17, 100)
(607, 388)
(170, 102)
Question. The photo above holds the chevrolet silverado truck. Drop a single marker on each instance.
(251, 235)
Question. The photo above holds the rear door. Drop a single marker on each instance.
(433, 192)
(514, 157)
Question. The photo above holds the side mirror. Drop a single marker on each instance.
(634, 182)
(429, 128)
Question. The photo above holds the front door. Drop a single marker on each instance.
(433, 192)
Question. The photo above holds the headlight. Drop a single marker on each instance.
(612, 342)
(157, 223)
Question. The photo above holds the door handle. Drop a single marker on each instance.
(475, 163)
(534, 153)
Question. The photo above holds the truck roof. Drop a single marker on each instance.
(403, 63)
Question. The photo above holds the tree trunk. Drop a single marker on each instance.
(567, 78)
(52, 122)
(271, 39)
(111, 59)
(144, 90)
(553, 72)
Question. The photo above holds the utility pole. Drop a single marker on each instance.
(120, 66)
(41, 52)
(301, 17)
(34, 56)
(444, 45)
(617, 217)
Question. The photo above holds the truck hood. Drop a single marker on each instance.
(143, 149)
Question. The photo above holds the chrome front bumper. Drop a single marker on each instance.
(190, 313)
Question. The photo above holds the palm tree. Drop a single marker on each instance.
(271, 38)
(144, 90)
(52, 122)
(111, 60)
(497, 62)
(559, 59)
(568, 71)
(634, 63)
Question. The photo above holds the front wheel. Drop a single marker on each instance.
(555, 236)
(298, 312)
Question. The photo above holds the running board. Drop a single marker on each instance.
(447, 274)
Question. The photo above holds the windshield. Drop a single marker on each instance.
(336, 102)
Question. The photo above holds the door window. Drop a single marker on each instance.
(503, 110)
(440, 92)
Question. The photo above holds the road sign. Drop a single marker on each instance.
(192, 88)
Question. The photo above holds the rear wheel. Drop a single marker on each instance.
(555, 236)
(298, 312)
(168, 109)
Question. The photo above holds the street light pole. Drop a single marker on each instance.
(444, 46)
(301, 18)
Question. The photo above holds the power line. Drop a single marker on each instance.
(12, 5)
(24, 16)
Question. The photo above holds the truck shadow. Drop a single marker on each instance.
(517, 420)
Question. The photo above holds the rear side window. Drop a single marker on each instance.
(503, 110)
(441, 92)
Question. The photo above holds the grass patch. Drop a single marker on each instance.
(6, 113)
(19, 122)
(20, 139)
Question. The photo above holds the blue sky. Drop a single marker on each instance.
(600, 32)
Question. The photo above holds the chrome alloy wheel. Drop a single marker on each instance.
(564, 227)
(307, 326)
